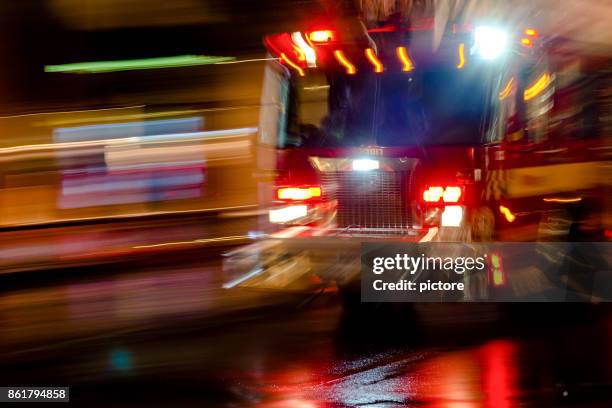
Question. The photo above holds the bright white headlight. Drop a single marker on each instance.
(490, 42)
(365, 164)
(287, 214)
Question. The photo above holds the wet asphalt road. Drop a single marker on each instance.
(164, 333)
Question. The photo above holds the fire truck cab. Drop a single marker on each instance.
(379, 133)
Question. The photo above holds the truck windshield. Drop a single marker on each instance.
(444, 107)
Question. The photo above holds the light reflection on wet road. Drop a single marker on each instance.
(168, 336)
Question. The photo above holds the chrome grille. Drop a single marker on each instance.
(369, 199)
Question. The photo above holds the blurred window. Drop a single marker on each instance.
(427, 108)
(538, 108)
(503, 112)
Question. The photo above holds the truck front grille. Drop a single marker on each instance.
(372, 200)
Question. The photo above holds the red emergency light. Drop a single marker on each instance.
(322, 36)
(530, 37)
(303, 193)
(448, 194)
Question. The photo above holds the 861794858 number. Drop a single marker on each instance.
(34, 394)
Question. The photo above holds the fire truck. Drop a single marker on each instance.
(388, 133)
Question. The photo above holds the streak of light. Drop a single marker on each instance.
(316, 87)
(507, 213)
(135, 139)
(95, 67)
(135, 116)
(538, 86)
(134, 216)
(430, 235)
(507, 89)
(461, 56)
(562, 200)
(290, 232)
(307, 50)
(292, 64)
(378, 66)
(72, 111)
(245, 277)
(350, 68)
(195, 241)
(246, 60)
(407, 63)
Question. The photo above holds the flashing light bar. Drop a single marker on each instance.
(300, 50)
(298, 193)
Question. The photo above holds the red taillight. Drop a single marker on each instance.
(321, 36)
(448, 194)
(451, 194)
(298, 193)
(433, 194)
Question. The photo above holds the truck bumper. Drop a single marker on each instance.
(305, 258)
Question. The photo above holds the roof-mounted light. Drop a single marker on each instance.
(343, 60)
(322, 36)
(378, 66)
(407, 64)
(529, 39)
(490, 42)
